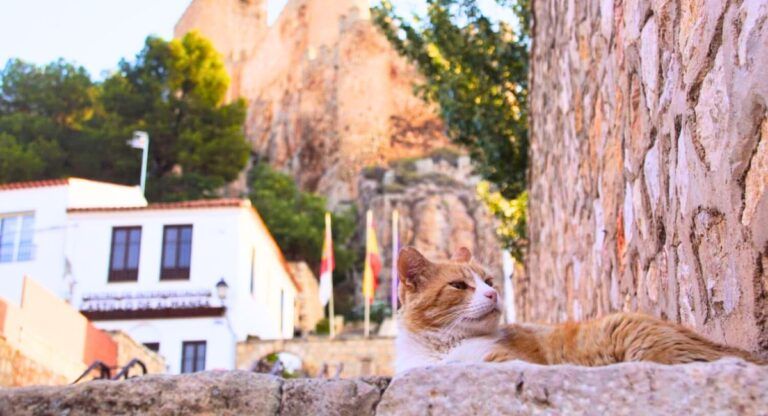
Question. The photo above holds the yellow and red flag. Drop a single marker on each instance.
(372, 260)
(327, 264)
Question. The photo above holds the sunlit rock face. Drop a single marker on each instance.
(649, 164)
(326, 93)
(328, 98)
(438, 207)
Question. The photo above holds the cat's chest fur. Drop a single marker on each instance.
(412, 351)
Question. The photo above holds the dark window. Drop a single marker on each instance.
(124, 260)
(193, 356)
(177, 252)
(154, 346)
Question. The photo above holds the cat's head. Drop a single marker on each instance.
(457, 297)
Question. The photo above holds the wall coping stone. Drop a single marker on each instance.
(728, 386)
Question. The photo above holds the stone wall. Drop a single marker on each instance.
(18, 369)
(724, 387)
(649, 164)
(308, 310)
(359, 356)
(128, 349)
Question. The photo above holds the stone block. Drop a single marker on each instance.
(214, 393)
(725, 387)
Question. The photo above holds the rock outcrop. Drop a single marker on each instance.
(438, 206)
(723, 387)
(649, 164)
(326, 93)
(328, 97)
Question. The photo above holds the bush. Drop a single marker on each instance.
(323, 327)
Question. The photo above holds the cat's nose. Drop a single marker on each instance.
(491, 294)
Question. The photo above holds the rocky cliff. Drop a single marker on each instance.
(723, 387)
(649, 164)
(328, 98)
(436, 199)
(326, 93)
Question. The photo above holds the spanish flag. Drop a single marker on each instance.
(372, 260)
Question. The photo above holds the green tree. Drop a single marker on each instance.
(476, 70)
(61, 123)
(42, 112)
(16, 162)
(297, 219)
(175, 91)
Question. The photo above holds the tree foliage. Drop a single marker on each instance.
(511, 213)
(43, 111)
(58, 122)
(297, 219)
(476, 70)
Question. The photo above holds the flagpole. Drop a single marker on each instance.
(367, 325)
(144, 156)
(331, 317)
(141, 140)
(395, 247)
(367, 318)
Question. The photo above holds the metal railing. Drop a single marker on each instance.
(105, 371)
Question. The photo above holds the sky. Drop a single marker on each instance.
(98, 33)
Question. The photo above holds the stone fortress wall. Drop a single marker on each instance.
(649, 164)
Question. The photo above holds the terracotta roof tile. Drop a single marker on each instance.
(196, 204)
(33, 184)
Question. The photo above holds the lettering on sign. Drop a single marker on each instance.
(135, 301)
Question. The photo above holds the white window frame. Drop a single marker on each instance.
(17, 238)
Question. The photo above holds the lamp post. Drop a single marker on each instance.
(222, 288)
(140, 140)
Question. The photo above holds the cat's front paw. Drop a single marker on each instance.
(500, 356)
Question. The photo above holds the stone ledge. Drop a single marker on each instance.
(728, 386)
(725, 387)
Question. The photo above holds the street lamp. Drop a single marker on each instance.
(140, 140)
(221, 289)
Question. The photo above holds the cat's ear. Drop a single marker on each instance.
(412, 267)
(462, 255)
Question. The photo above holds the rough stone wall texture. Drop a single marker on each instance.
(359, 356)
(725, 387)
(439, 212)
(128, 349)
(326, 93)
(308, 308)
(17, 369)
(648, 169)
(210, 393)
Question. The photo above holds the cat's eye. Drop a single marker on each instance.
(489, 282)
(458, 285)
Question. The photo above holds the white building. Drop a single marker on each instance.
(150, 269)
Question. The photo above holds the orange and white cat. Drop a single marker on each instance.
(450, 312)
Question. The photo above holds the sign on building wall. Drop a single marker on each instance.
(150, 304)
